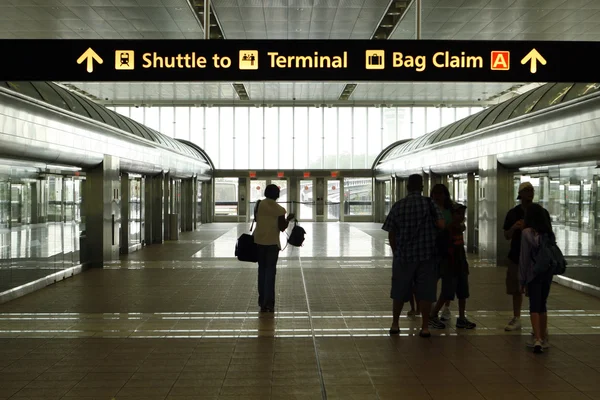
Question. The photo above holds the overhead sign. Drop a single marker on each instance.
(298, 60)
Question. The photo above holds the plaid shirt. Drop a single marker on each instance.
(413, 220)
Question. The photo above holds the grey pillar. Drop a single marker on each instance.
(103, 212)
(125, 196)
(320, 199)
(208, 204)
(194, 198)
(293, 196)
(494, 203)
(166, 204)
(471, 212)
(147, 213)
(35, 189)
(426, 185)
(435, 179)
(244, 214)
(158, 216)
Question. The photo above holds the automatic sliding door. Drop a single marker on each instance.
(306, 211)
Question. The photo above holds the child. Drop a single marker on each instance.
(455, 280)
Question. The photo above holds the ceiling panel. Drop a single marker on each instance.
(98, 19)
(505, 20)
(339, 19)
(274, 92)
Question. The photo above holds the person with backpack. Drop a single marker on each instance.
(270, 221)
(539, 261)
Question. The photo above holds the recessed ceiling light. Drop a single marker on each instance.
(298, 30)
(299, 9)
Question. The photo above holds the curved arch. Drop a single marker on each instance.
(387, 150)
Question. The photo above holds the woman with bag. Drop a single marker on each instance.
(270, 221)
(536, 285)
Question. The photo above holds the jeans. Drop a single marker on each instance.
(267, 265)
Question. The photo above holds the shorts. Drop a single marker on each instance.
(455, 285)
(420, 274)
(538, 290)
(512, 279)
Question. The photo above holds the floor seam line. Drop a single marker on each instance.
(312, 330)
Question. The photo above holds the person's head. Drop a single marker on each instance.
(272, 192)
(441, 196)
(537, 219)
(458, 212)
(526, 193)
(415, 183)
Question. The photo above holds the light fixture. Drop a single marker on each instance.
(63, 167)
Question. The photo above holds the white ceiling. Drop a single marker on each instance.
(325, 92)
(98, 19)
(299, 19)
(504, 20)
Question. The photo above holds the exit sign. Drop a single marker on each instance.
(280, 174)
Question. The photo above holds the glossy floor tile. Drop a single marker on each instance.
(179, 321)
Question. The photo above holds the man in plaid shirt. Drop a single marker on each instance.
(412, 227)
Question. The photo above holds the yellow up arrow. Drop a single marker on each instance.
(534, 56)
(89, 55)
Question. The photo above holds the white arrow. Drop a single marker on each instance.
(89, 55)
(534, 56)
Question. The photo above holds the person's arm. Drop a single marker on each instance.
(390, 227)
(282, 221)
(511, 226)
(392, 240)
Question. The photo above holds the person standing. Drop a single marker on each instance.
(412, 228)
(513, 227)
(537, 286)
(270, 221)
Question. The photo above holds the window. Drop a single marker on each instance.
(226, 138)
(374, 138)
(137, 114)
(123, 110)
(433, 119)
(256, 138)
(418, 122)
(390, 125)
(272, 138)
(300, 137)
(358, 196)
(50, 95)
(286, 143)
(530, 101)
(241, 138)
(25, 88)
(448, 116)
(226, 196)
(152, 119)
(553, 96)
(345, 138)
(331, 140)
(212, 135)
(581, 89)
(167, 121)
(182, 123)
(315, 138)
(197, 127)
(404, 123)
(360, 130)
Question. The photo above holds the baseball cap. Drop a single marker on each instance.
(524, 186)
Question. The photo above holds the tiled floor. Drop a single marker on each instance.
(179, 321)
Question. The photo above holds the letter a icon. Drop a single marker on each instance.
(500, 61)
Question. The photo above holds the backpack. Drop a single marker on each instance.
(245, 248)
(549, 257)
(296, 237)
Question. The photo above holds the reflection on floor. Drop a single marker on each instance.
(179, 321)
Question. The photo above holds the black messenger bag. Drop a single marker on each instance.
(245, 248)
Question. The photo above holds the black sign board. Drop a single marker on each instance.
(297, 60)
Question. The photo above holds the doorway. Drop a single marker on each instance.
(306, 209)
(332, 204)
(257, 192)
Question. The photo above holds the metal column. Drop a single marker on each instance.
(418, 19)
(206, 19)
(126, 196)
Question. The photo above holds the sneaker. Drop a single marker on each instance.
(446, 314)
(463, 323)
(435, 323)
(513, 325)
(531, 342)
(537, 347)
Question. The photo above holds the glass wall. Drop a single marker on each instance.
(226, 196)
(570, 194)
(245, 138)
(358, 196)
(40, 224)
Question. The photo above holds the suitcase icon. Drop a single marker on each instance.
(375, 59)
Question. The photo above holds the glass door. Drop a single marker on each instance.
(257, 192)
(333, 200)
(306, 210)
